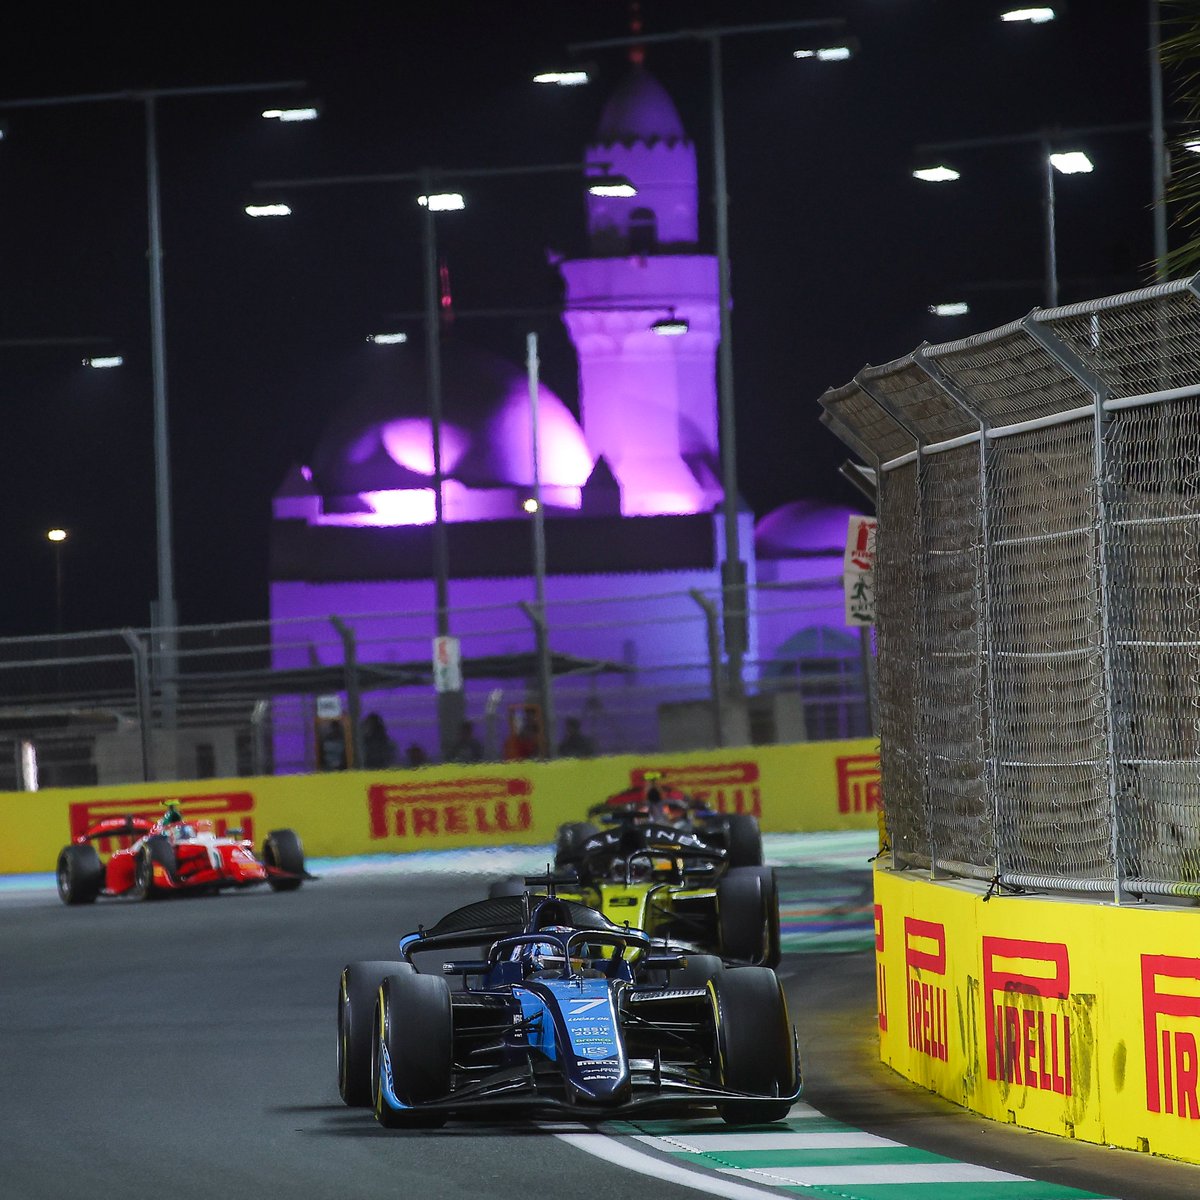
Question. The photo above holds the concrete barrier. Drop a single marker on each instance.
(1071, 1017)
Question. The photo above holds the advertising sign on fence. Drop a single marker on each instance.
(858, 571)
(790, 788)
(447, 665)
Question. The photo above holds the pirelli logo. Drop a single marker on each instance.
(1028, 1036)
(226, 810)
(726, 787)
(421, 809)
(928, 997)
(1170, 1018)
(880, 971)
(858, 783)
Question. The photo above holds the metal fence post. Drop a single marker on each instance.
(141, 684)
(353, 696)
(537, 616)
(712, 631)
(984, 594)
(1070, 362)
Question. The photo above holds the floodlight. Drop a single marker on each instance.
(1072, 162)
(939, 174)
(442, 202)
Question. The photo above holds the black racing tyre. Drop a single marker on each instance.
(284, 850)
(770, 892)
(569, 840)
(358, 990)
(79, 874)
(413, 1023)
(757, 1049)
(699, 969)
(746, 900)
(743, 840)
(512, 886)
(155, 850)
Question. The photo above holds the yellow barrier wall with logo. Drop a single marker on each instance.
(1075, 1018)
(794, 788)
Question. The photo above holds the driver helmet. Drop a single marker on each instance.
(544, 955)
(172, 816)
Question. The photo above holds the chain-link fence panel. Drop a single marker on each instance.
(1048, 727)
(898, 598)
(952, 686)
(1153, 479)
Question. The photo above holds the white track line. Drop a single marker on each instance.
(623, 1155)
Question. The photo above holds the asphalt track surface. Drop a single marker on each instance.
(185, 1049)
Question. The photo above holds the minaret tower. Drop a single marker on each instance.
(648, 401)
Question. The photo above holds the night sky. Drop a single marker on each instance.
(836, 250)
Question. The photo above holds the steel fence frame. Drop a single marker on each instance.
(1040, 668)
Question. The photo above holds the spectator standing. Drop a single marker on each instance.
(575, 743)
(468, 748)
(378, 748)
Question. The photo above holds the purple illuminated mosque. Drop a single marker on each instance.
(631, 486)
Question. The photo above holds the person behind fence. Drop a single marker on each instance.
(331, 745)
(378, 748)
(468, 748)
(575, 743)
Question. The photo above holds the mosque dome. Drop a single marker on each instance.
(640, 110)
(381, 436)
(803, 529)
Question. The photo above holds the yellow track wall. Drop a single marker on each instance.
(793, 788)
(1071, 1017)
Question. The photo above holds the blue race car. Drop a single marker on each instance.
(563, 1011)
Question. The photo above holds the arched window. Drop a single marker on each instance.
(643, 231)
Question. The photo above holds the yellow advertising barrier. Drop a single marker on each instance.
(794, 788)
(1074, 1018)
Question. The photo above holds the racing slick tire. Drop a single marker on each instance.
(413, 1023)
(696, 972)
(743, 840)
(755, 1044)
(568, 842)
(79, 874)
(358, 989)
(284, 850)
(156, 850)
(748, 915)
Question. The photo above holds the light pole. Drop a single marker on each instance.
(1068, 162)
(451, 704)
(733, 569)
(166, 617)
(57, 538)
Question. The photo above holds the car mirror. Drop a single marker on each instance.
(466, 966)
(664, 962)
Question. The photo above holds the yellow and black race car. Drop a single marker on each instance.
(673, 884)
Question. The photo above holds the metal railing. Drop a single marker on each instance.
(1038, 603)
(639, 673)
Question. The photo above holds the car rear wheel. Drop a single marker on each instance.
(357, 992)
(748, 915)
(757, 1050)
(743, 840)
(158, 851)
(80, 874)
(414, 1028)
(283, 850)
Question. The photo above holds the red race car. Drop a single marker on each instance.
(172, 855)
